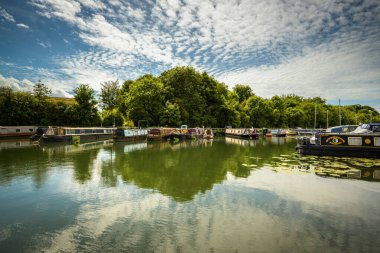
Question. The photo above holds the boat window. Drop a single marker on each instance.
(376, 141)
(77, 131)
(376, 128)
(355, 141)
(30, 130)
(18, 130)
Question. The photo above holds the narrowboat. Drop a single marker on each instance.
(76, 135)
(246, 133)
(179, 133)
(159, 134)
(124, 134)
(341, 144)
(291, 132)
(208, 134)
(278, 133)
(195, 133)
(17, 131)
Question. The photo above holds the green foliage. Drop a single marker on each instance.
(144, 100)
(179, 95)
(171, 115)
(112, 117)
(243, 91)
(109, 94)
(41, 91)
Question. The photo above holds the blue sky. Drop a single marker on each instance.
(307, 47)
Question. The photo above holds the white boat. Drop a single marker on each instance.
(208, 134)
(17, 131)
(130, 134)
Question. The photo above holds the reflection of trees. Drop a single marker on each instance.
(80, 156)
(184, 169)
(252, 154)
(180, 170)
(21, 162)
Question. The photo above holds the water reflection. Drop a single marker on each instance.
(178, 170)
(221, 196)
(279, 155)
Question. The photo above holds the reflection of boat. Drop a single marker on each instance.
(245, 133)
(341, 144)
(20, 143)
(122, 134)
(17, 131)
(158, 134)
(133, 147)
(362, 174)
(76, 135)
(208, 134)
(71, 149)
(241, 142)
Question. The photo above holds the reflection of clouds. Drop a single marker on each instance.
(266, 212)
(344, 197)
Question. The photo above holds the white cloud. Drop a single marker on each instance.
(4, 14)
(63, 9)
(307, 47)
(92, 4)
(331, 71)
(15, 84)
(23, 26)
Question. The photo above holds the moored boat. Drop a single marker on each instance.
(158, 134)
(278, 133)
(341, 144)
(178, 134)
(130, 134)
(76, 135)
(245, 133)
(208, 134)
(195, 133)
(17, 131)
(291, 132)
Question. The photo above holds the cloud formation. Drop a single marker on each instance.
(327, 48)
(23, 26)
(5, 15)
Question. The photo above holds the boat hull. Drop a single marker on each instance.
(129, 138)
(368, 152)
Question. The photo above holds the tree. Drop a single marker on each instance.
(84, 113)
(183, 86)
(171, 115)
(243, 91)
(145, 100)
(109, 94)
(41, 91)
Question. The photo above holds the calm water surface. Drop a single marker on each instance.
(228, 195)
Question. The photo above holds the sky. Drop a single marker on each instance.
(326, 48)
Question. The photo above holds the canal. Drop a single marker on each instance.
(225, 195)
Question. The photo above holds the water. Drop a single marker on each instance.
(228, 195)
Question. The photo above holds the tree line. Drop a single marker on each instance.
(178, 96)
